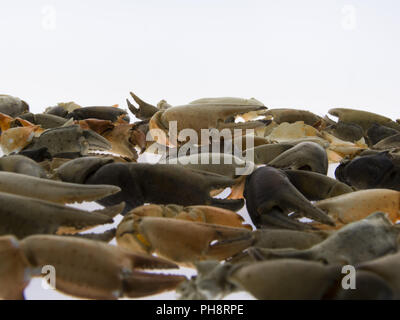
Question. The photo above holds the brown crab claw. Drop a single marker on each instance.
(145, 110)
(13, 267)
(96, 270)
(124, 138)
(364, 119)
(207, 214)
(200, 116)
(268, 190)
(181, 241)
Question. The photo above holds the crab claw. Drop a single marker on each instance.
(293, 115)
(12, 106)
(308, 156)
(71, 139)
(122, 136)
(286, 279)
(201, 116)
(5, 121)
(265, 153)
(364, 119)
(13, 266)
(23, 165)
(316, 186)
(357, 205)
(145, 110)
(370, 171)
(95, 270)
(54, 191)
(105, 113)
(24, 216)
(269, 191)
(354, 243)
(206, 214)
(142, 183)
(181, 241)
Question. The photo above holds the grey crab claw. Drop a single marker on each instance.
(268, 190)
(145, 110)
(69, 140)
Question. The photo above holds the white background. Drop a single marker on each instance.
(307, 54)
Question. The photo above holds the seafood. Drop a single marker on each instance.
(378, 132)
(105, 113)
(145, 110)
(23, 216)
(46, 121)
(201, 116)
(286, 279)
(84, 268)
(293, 115)
(364, 119)
(270, 197)
(122, 136)
(207, 214)
(308, 156)
(18, 138)
(12, 106)
(145, 183)
(23, 165)
(181, 241)
(379, 170)
(54, 191)
(356, 242)
(186, 239)
(69, 140)
(357, 205)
